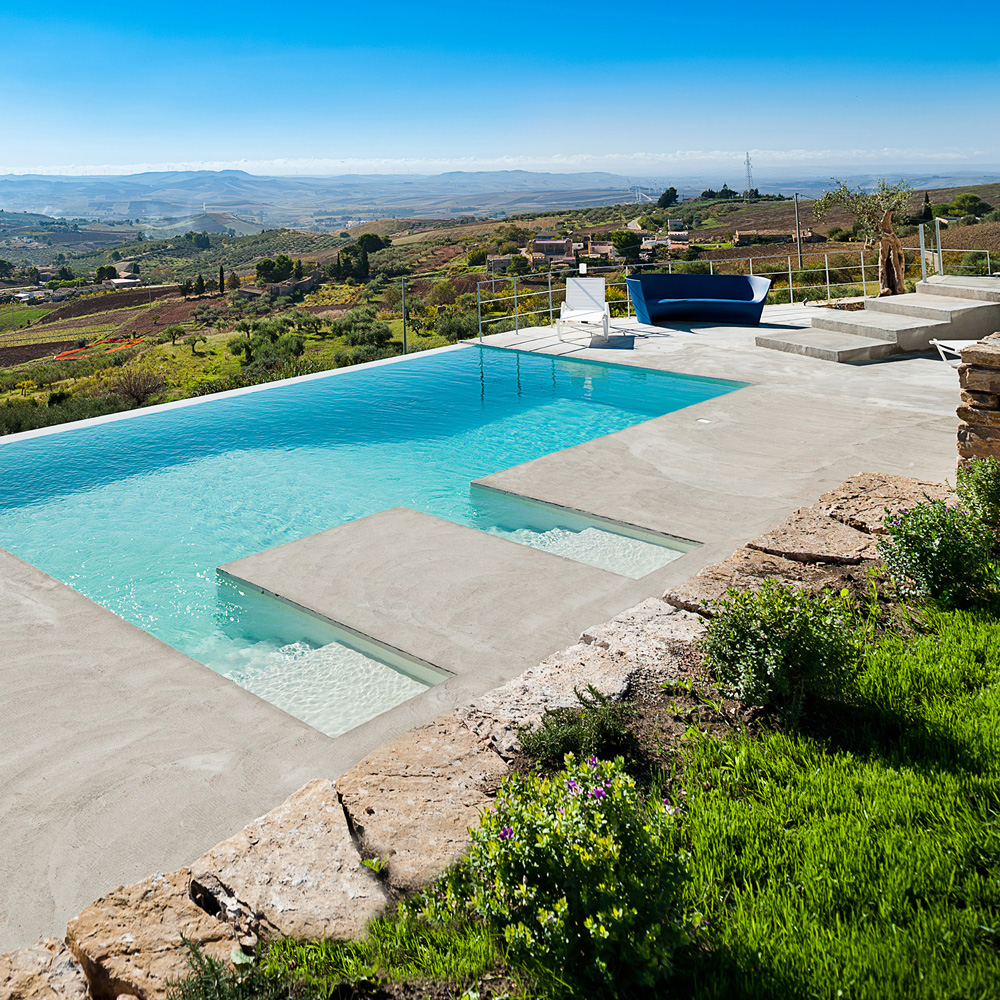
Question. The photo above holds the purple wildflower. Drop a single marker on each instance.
(571, 785)
(668, 808)
(597, 793)
(592, 761)
(506, 832)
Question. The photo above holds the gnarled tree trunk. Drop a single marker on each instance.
(891, 263)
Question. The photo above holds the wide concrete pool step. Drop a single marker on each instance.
(830, 345)
(454, 597)
(941, 309)
(976, 287)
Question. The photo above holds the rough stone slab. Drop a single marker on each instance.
(45, 971)
(981, 400)
(637, 648)
(129, 941)
(978, 378)
(411, 803)
(646, 633)
(747, 569)
(860, 502)
(977, 417)
(986, 352)
(966, 432)
(299, 868)
(809, 535)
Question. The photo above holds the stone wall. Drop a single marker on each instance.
(979, 377)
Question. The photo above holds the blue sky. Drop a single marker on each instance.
(646, 90)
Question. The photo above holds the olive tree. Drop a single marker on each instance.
(873, 211)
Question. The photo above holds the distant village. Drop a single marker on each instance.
(567, 251)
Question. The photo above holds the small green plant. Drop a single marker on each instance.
(939, 553)
(978, 488)
(210, 979)
(377, 865)
(580, 875)
(599, 727)
(773, 647)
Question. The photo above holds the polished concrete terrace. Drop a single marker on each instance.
(120, 756)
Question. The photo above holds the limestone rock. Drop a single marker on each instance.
(412, 801)
(978, 442)
(861, 500)
(986, 352)
(299, 868)
(747, 569)
(977, 417)
(981, 400)
(809, 535)
(646, 633)
(635, 650)
(979, 378)
(129, 941)
(45, 971)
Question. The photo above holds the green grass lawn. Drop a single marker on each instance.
(863, 863)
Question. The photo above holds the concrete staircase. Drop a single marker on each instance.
(943, 307)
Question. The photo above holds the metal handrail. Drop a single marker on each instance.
(789, 275)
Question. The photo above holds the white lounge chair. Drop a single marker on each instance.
(584, 305)
(951, 350)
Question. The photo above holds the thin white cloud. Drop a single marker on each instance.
(652, 162)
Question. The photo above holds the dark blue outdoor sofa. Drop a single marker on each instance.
(729, 298)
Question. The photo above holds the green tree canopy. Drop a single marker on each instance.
(970, 204)
(627, 243)
(867, 207)
(668, 198)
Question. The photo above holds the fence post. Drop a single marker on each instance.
(479, 309)
(751, 266)
(670, 267)
(940, 253)
(711, 267)
(864, 284)
(791, 291)
(826, 261)
(989, 270)
(923, 254)
(550, 299)
(515, 305)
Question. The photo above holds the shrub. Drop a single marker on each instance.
(773, 647)
(978, 488)
(454, 325)
(598, 727)
(137, 385)
(580, 876)
(938, 553)
(26, 415)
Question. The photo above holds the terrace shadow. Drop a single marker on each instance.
(895, 738)
(724, 973)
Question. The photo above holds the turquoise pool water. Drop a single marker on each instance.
(138, 513)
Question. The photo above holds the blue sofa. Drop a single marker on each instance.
(729, 298)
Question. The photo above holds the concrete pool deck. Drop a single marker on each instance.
(111, 770)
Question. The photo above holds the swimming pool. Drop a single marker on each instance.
(137, 513)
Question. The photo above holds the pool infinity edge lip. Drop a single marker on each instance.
(178, 404)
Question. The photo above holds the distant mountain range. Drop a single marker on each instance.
(330, 202)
